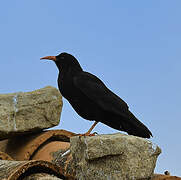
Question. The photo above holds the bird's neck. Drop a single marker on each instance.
(70, 69)
(65, 80)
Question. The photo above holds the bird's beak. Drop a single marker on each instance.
(53, 58)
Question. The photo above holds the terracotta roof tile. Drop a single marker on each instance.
(24, 147)
(4, 156)
(48, 151)
(14, 170)
(165, 177)
(48, 146)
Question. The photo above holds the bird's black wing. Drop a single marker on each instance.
(97, 92)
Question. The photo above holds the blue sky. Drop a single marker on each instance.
(133, 46)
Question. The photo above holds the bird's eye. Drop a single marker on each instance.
(62, 57)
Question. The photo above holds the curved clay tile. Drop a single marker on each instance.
(164, 177)
(49, 151)
(24, 147)
(4, 156)
(15, 170)
(51, 145)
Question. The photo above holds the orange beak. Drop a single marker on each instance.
(53, 58)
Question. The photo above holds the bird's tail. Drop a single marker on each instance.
(134, 127)
(129, 124)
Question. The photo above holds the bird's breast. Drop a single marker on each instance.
(85, 107)
(65, 86)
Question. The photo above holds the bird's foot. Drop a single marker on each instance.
(87, 134)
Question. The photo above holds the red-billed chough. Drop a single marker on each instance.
(92, 100)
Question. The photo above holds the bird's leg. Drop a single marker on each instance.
(92, 127)
(88, 133)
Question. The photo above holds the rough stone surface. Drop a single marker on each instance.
(30, 111)
(41, 176)
(113, 157)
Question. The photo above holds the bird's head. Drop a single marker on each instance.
(64, 60)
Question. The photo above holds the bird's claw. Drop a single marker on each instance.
(87, 134)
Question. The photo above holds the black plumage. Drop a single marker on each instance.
(92, 100)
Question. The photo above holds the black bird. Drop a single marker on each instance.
(92, 100)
